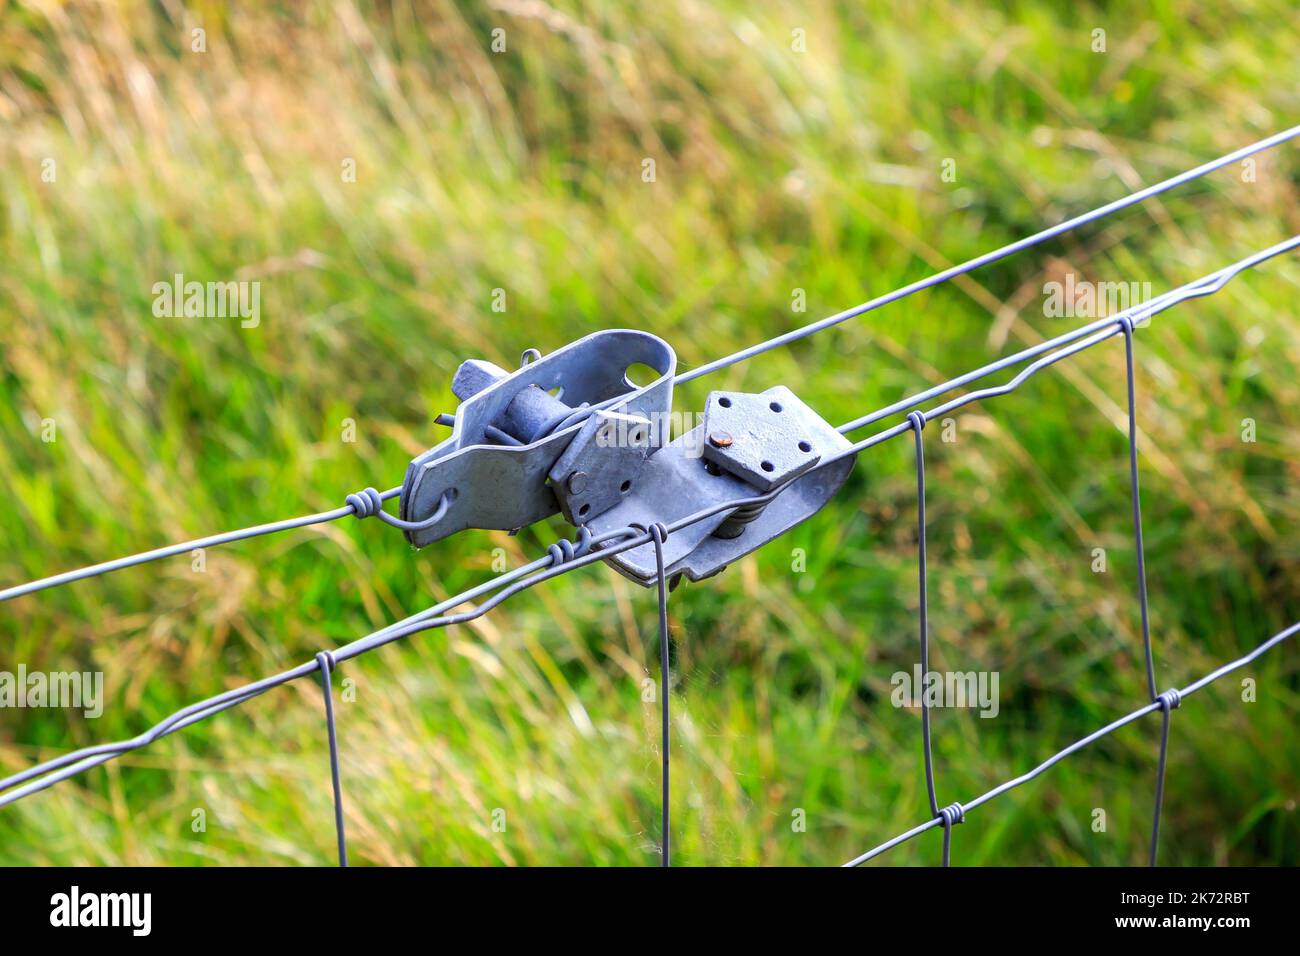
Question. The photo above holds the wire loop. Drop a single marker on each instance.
(365, 503)
(565, 550)
(369, 503)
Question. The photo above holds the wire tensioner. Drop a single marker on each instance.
(570, 433)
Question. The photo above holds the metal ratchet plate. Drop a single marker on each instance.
(766, 439)
(675, 484)
(505, 486)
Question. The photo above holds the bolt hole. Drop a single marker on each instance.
(768, 466)
(724, 402)
(804, 446)
(625, 487)
(582, 512)
(775, 406)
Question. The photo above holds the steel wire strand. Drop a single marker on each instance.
(171, 550)
(1205, 285)
(1010, 249)
(940, 277)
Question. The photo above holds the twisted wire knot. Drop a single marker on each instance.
(566, 550)
(952, 814)
(365, 503)
(658, 532)
(1126, 323)
(369, 503)
(1170, 700)
(918, 420)
(326, 661)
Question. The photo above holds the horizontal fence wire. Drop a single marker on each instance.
(565, 556)
(171, 550)
(989, 257)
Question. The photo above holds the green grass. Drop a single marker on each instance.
(775, 170)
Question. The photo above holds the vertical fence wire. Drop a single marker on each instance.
(1170, 700)
(923, 603)
(1126, 324)
(326, 661)
(658, 534)
(954, 813)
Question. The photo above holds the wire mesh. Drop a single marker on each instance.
(566, 556)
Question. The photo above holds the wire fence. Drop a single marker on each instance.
(587, 548)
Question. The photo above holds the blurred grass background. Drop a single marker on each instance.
(776, 170)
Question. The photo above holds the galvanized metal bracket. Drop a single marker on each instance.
(569, 432)
(504, 465)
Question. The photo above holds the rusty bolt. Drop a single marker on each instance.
(720, 440)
